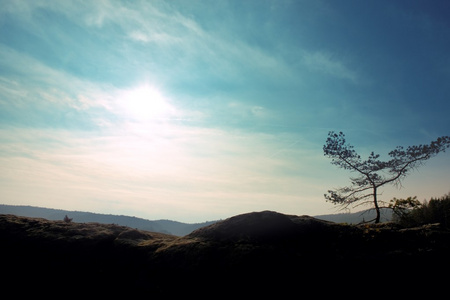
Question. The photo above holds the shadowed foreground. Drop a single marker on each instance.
(249, 253)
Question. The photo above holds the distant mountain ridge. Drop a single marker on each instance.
(357, 217)
(161, 226)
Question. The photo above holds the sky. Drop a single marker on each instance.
(200, 110)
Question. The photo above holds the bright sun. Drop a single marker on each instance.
(146, 103)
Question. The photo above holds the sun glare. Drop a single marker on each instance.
(146, 103)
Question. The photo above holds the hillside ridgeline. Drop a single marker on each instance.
(267, 247)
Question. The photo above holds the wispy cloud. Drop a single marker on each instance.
(169, 43)
(190, 44)
(33, 92)
(249, 111)
(325, 62)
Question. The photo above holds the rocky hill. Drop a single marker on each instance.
(251, 253)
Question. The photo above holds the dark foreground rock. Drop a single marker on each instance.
(255, 253)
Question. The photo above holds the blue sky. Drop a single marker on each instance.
(195, 111)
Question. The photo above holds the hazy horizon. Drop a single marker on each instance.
(189, 111)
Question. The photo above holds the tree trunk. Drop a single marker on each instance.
(375, 202)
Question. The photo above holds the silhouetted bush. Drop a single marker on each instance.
(437, 210)
(67, 219)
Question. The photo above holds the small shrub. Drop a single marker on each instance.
(67, 219)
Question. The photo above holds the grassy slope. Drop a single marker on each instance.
(249, 252)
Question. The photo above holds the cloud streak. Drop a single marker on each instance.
(326, 63)
(44, 97)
